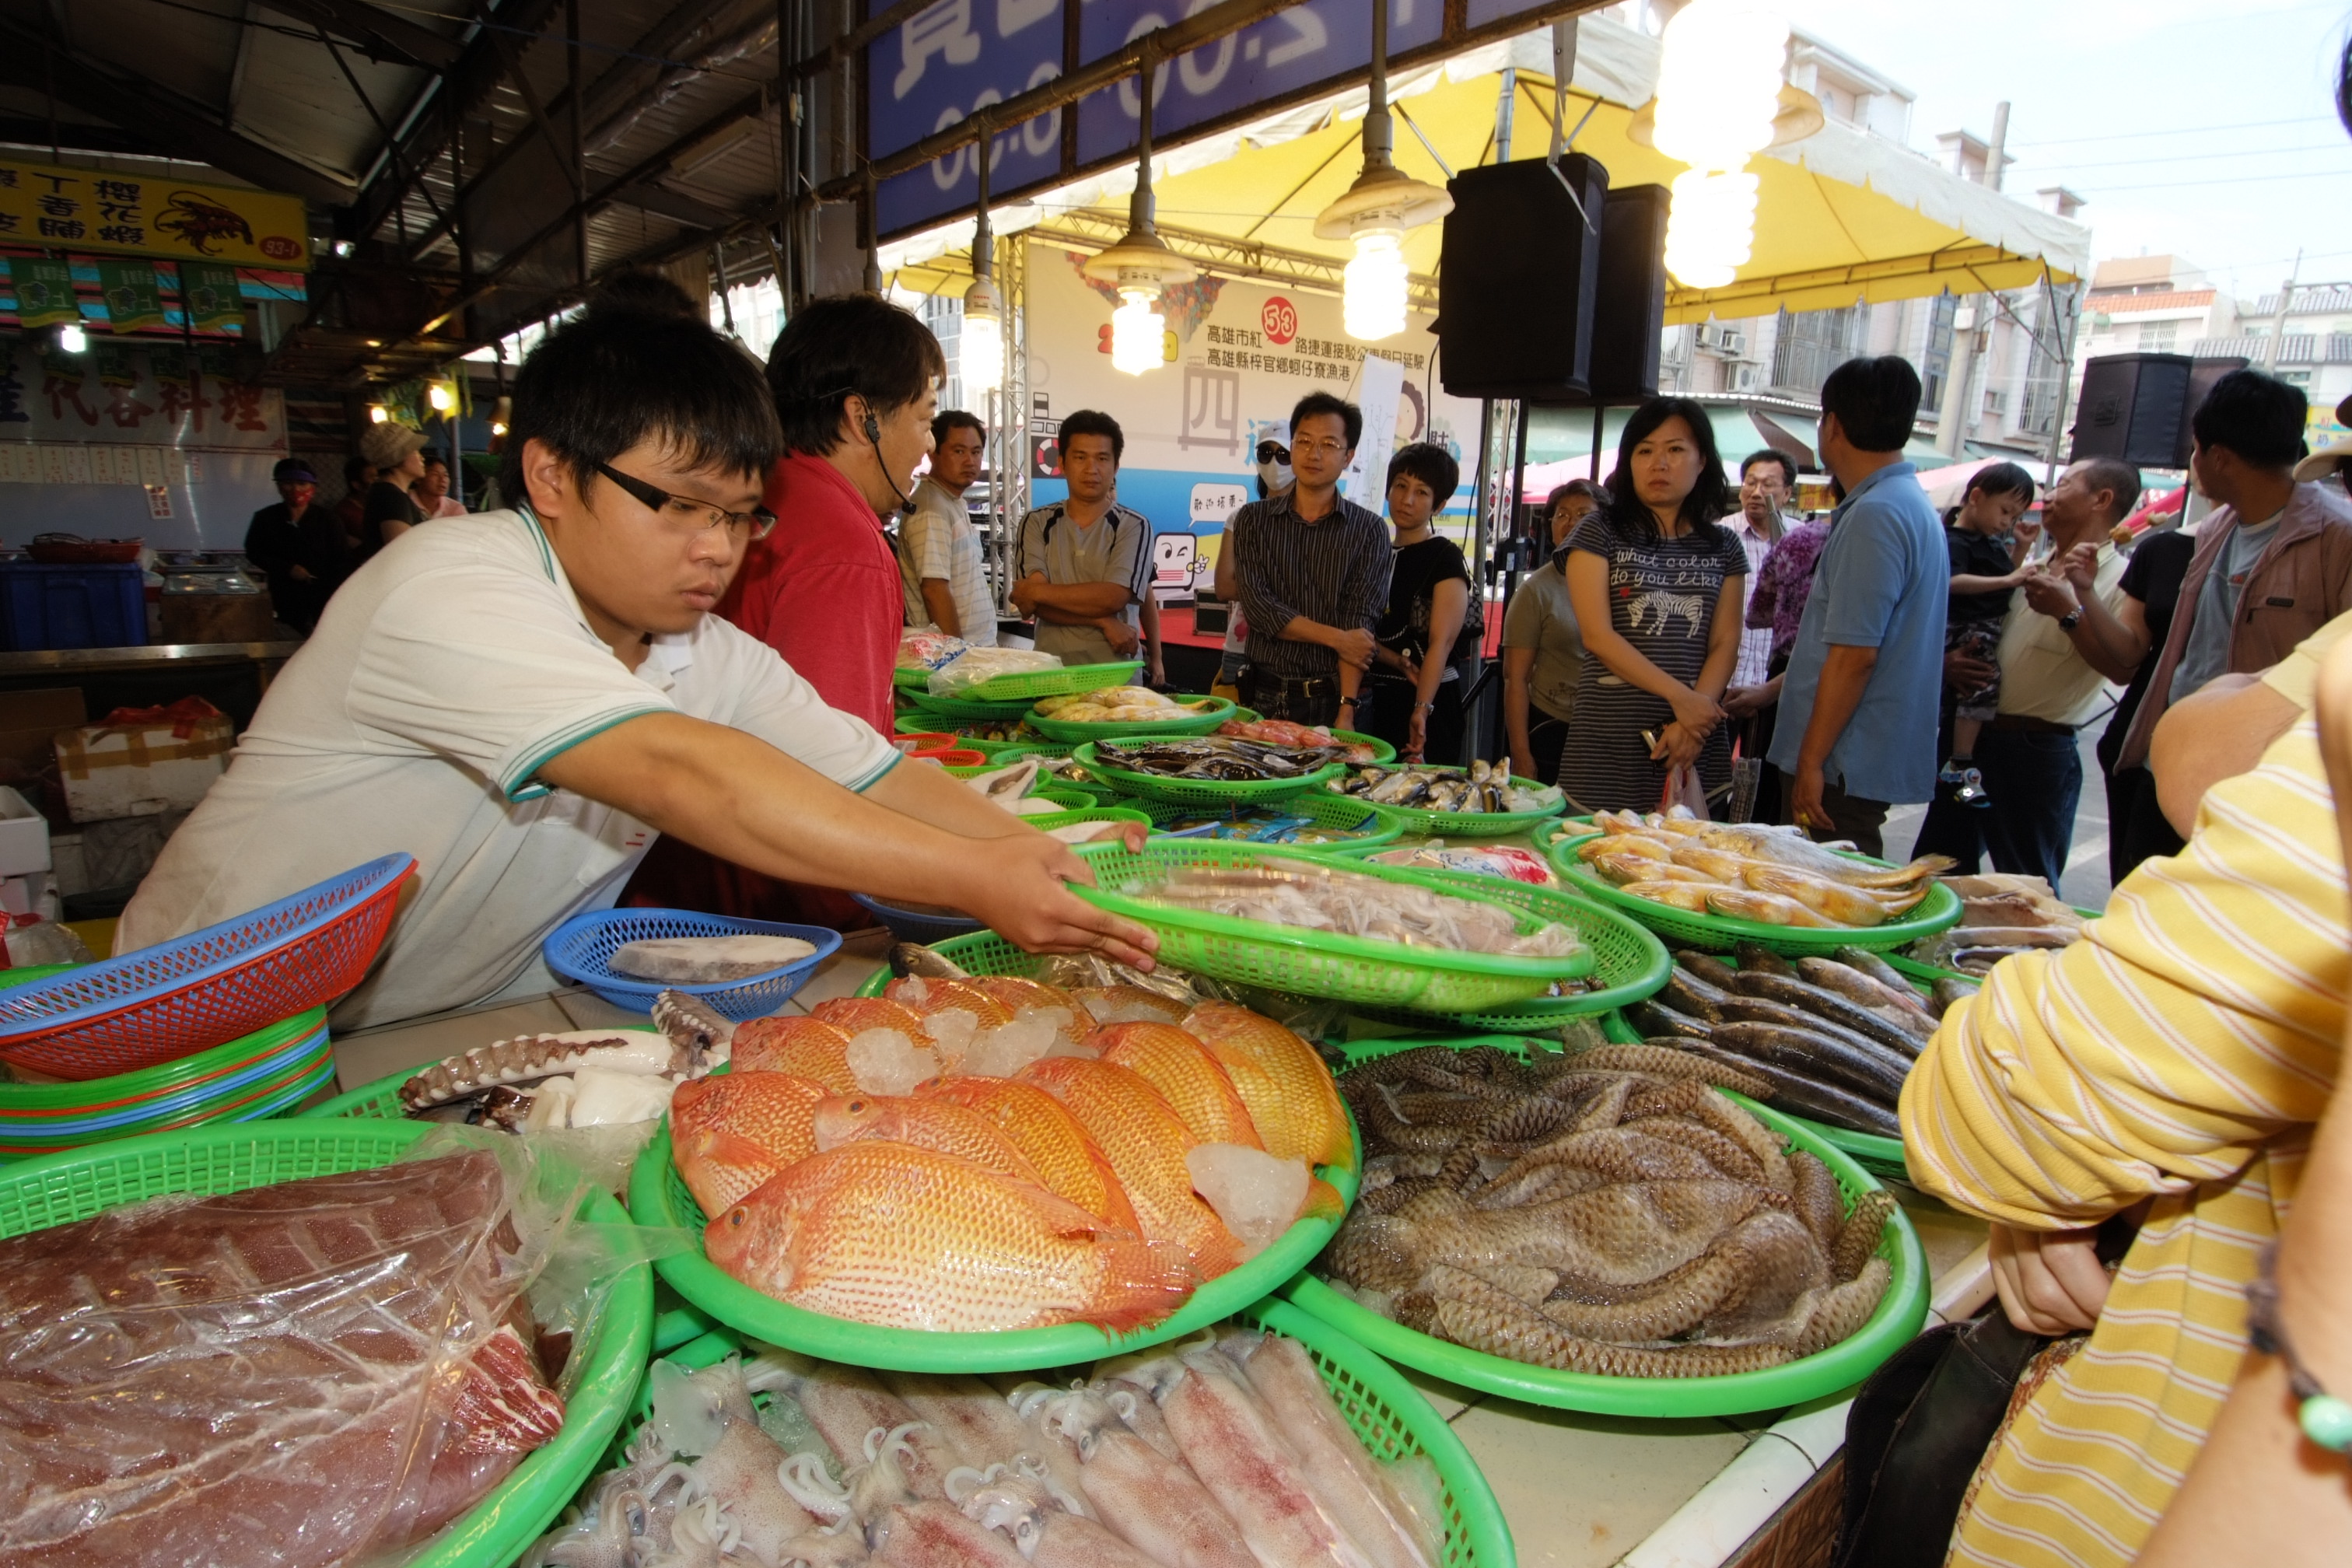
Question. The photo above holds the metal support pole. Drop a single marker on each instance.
(579, 154)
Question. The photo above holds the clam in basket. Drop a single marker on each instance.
(1486, 824)
(1900, 1313)
(610, 1350)
(207, 988)
(658, 1196)
(1302, 962)
(1940, 910)
(582, 948)
(1102, 759)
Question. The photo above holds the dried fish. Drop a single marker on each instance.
(1481, 789)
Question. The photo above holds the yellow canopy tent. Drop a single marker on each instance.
(1843, 217)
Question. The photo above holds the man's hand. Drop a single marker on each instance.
(2050, 594)
(1962, 673)
(1123, 638)
(2050, 1281)
(2079, 567)
(1024, 592)
(2027, 531)
(1745, 702)
(1805, 791)
(1697, 712)
(1354, 645)
(1015, 885)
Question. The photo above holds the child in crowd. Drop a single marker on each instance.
(1989, 545)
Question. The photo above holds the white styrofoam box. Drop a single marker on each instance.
(32, 895)
(141, 770)
(66, 862)
(23, 837)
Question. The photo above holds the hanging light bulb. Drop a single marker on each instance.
(376, 415)
(71, 339)
(1719, 95)
(1140, 267)
(980, 352)
(1374, 306)
(1378, 208)
(1137, 332)
(1710, 226)
(441, 398)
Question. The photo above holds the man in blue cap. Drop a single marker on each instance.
(273, 541)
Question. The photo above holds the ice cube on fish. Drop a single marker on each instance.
(1257, 1195)
(885, 1061)
(706, 960)
(602, 1098)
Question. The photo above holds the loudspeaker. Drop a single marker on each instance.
(1629, 307)
(2134, 407)
(1515, 296)
(2202, 374)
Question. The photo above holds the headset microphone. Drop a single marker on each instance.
(874, 433)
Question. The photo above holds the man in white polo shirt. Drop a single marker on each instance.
(523, 699)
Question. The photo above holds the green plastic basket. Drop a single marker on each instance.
(1899, 1316)
(971, 710)
(1320, 963)
(1486, 824)
(1055, 729)
(908, 721)
(1387, 1412)
(1070, 681)
(1099, 755)
(658, 1196)
(1369, 827)
(1881, 1156)
(1090, 813)
(1719, 934)
(1381, 751)
(1067, 796)
(611, 1349)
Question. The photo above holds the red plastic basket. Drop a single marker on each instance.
(214, 986)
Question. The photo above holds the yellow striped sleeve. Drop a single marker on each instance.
(2197, 1020)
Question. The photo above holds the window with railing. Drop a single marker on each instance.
(1812, 343)
(1935, 357)
(2045, 369)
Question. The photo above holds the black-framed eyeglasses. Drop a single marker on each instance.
(1274, 452)
(690, 515)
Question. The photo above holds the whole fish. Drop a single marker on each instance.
(1022, 994)
(1054, 1142)
(1653, 1019)
(1187, 1076)
(1288, 1090)
(926, 1123)
(1826, 1004)
(730, 1133)
(1146, 1143)
(905, 1238)
(926, 997)
(1748, 1005)
(1717, 864)
(854, 1014)
(1876, 1076)
(1690, 896)
(1905, 1010)
(1802, 1094)
(1763, 909)
(1832, 900)
(1626, 868)
(1756, 955)
(1950, 991)
(1872, 964)
(798, 1044)
(1791, 849)
(1640, 845)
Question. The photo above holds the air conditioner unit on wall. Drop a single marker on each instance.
(1996, 402)
(1707, 335)
(1732, 342)
(1747, 378)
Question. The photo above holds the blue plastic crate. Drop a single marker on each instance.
(913, 925)
(45, 606)
(579, 948)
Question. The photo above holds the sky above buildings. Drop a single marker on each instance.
(2202, 128)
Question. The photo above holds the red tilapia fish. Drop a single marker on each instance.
(300, 1375)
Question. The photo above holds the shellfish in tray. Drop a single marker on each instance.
(578, 1077)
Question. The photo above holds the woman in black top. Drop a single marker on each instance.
(1658, 592)
(398, 454)
(2136, 829)
(1416, 695)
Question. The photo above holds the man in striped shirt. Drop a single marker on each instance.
(2176, 1056)
(1313, 569)
(1084, 563)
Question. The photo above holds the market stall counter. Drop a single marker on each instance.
(1576, 1489)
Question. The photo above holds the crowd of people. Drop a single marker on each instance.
(306, 551)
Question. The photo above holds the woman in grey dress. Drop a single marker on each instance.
(1657, 589)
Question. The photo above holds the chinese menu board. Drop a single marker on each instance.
(105, 210)
(191, 398)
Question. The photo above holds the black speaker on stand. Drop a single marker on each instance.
(1515, 299)
(2134, 407)
(1629, 305)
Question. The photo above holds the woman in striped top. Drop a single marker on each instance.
(2178, 1056)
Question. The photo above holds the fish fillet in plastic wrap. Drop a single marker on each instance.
(308, 1373)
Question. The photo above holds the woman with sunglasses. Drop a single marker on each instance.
(522, 700)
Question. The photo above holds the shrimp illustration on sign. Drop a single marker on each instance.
(1690, 607)
(203, 224)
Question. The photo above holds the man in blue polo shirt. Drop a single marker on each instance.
(1857, 730)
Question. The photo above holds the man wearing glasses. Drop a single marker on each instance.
(523, 699)
(1312, 570)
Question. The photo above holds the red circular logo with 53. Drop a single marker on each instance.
(1280, 319)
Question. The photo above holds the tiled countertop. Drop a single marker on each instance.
(1579, 1491)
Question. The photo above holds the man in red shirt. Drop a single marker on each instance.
(855, 380)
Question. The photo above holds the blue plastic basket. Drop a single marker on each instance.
(163, 1002)
(579, 949)
(912, 925)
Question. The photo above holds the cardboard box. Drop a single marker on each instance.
(142, 769)
(30, 721)
(24, 836)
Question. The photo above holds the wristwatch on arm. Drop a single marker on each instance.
(2071, 619)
